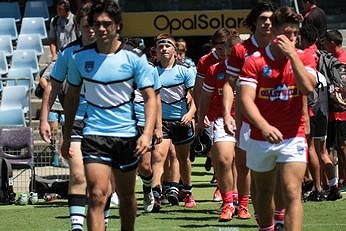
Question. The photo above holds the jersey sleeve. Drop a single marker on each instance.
(201, 68)
(209, 82)
(143, 73)
(60, 69)
(189, 78)
(249, 74)
(235, 60)
(73, 76)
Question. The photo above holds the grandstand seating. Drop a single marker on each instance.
(25, 58)
(3, 63)
(6, 45)
(10, 10)
(30, 41)
(8, 27)
(15, 97)
(20, 77)
(35, 25)
(12, 117)
(36, 9)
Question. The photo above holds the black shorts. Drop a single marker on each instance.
(77, 131)
(140, 130)
(177, 133)
(336, 133)
(319, 125)
(117, 152)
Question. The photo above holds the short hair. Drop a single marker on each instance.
(181, 45)
(110, 7)
(311, 1)
(220, 36)
(83, 11)
(250, 20)
(286, 15)
(335, 36)
(66, 4)
(309, 33)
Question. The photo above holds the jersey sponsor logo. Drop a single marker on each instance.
(281, 92)
(266, 71)
(89, 66)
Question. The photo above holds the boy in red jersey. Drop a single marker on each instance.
(222, 152)
(259, 23)
(272, 84)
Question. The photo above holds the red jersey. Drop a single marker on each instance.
(205, 62)
(213, 83)
(239, 53)
(277, 96)
(339, 116)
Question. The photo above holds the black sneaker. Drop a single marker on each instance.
(334, 194)
(157, 203)
(316, 196)
(279, 227)
(172, 196)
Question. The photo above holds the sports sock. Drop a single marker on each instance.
(227, 197)
(147, 180)
(76, 205)
(269, 228)
(243, 200)
(279, 216)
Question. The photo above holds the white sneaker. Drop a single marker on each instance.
(148, 202)
(22, 199)
(33, 198)
(114, 201)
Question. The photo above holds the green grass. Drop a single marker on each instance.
(53, 216)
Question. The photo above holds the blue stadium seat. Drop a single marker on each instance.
(15, 97)
(34, 25)
(6, 45)
(20, 77)
(10, 10)
(12, 117)
(8, 27)
(36, 9)
(3, 63)
(25, 58)
(30, 42)
(49, 2)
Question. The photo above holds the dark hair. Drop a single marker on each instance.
(286, 15)
(83, 11)
(311, 1)
(65, 3)
(335, 36)
(260, 7)
(110, 7)
(165, 36)
(220, 36)
(309, 33)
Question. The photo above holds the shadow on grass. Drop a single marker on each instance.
(51, 204)
(195, 173)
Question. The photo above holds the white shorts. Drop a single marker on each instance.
(219, 133)
(244, 135)
(262, 156)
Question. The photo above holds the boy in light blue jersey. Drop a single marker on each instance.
(177, 80)
(77, 185)
(110, 72)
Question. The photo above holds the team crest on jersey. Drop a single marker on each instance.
(89, 66)
(267, 71)
(220, 76)
(281, 92)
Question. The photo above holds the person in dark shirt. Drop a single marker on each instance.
(317, 17)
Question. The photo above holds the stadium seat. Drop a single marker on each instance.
(30, 42)
(6, 45)
(25, 58)
(34, 25)
(20, 77)
(15, 97)
(10, 10)
(17, 146)
(8, 27)
(49, 2)
(36, 9)
(3, 63)
(12, 117)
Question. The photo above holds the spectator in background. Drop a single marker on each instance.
(63, 28)
(181, 54)
(317, 17)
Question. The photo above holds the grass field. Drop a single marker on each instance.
(53, 216)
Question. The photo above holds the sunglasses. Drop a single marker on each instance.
(105, 24)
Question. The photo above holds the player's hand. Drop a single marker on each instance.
(272, 134)
(286, 46)
(45, 131)
(158, 135)
(143, 144)
(229, 124)
(186, 120)
(65, 148)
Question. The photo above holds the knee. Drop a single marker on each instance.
(97, 197)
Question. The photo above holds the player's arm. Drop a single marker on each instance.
(204, 102)
(227, 102)
(158, 126)
(150, 111)
(252, 113)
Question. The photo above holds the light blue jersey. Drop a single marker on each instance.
(109, 81)
(175, 82)
(139, 101)
(60, 70)
(192, 64)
